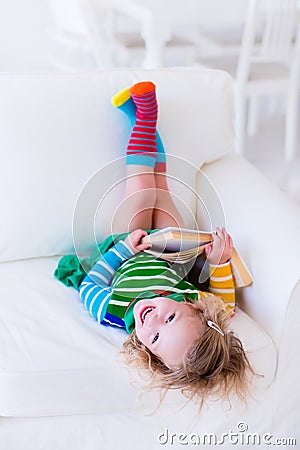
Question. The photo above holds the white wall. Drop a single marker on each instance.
(24, 41)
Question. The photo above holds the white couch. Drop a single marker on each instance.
(62, 175)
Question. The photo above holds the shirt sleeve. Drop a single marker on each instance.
(221, 284)
(95, 290)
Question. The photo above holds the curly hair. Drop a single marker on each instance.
(214, 366)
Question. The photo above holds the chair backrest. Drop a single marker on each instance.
(78, 21)
(279, 29)
(67, 16)
(274, 23)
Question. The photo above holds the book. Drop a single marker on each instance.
(181, 245)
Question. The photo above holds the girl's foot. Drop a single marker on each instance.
(123, 101)
(142, 88)
(142, 147)
(120, 97)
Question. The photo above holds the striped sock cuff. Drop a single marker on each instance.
(142, 145)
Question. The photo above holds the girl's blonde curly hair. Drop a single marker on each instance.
(214, 366)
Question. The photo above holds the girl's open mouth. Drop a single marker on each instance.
(144, 313)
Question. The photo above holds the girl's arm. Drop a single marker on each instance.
(218, 254)
(221, 284)
(95, 289)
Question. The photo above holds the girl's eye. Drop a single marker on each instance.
(155, 338)
(170, 318)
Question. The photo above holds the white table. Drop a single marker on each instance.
(158, 17)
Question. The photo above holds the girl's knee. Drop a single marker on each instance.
(143, 197)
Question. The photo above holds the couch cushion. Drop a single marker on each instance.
(55, 359)
(56, 130)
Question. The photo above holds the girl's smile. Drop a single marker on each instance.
(167, 328)
(145, 311)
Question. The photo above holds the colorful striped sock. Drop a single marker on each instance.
(123, 101)
(141, 148)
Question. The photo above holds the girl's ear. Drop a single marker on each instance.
(198, 313)
(193, 305)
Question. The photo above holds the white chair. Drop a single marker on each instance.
(129, 47)
(80, 35)
(269, 67)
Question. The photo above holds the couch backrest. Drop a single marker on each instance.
(57, 130)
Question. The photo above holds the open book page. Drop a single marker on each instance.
(180, 257)
(177, 239)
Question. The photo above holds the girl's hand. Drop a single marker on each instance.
(133, 241)
(220, 250)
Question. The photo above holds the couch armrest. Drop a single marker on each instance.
(287, 406)
(265, 226)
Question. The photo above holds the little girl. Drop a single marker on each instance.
(176, 331)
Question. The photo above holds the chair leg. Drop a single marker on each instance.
(240, 123)
(253, 114)
(291, 125)
(272, 104)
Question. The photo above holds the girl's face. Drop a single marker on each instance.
(167, 328)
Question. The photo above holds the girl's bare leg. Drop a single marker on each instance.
(136, 210)
(165, 213)
(147, 203)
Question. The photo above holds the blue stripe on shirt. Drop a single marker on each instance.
(115, 321)
(95, 290)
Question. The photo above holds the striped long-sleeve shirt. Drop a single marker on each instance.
(221, 284)
(119, 276)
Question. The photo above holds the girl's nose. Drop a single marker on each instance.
(153, 319)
